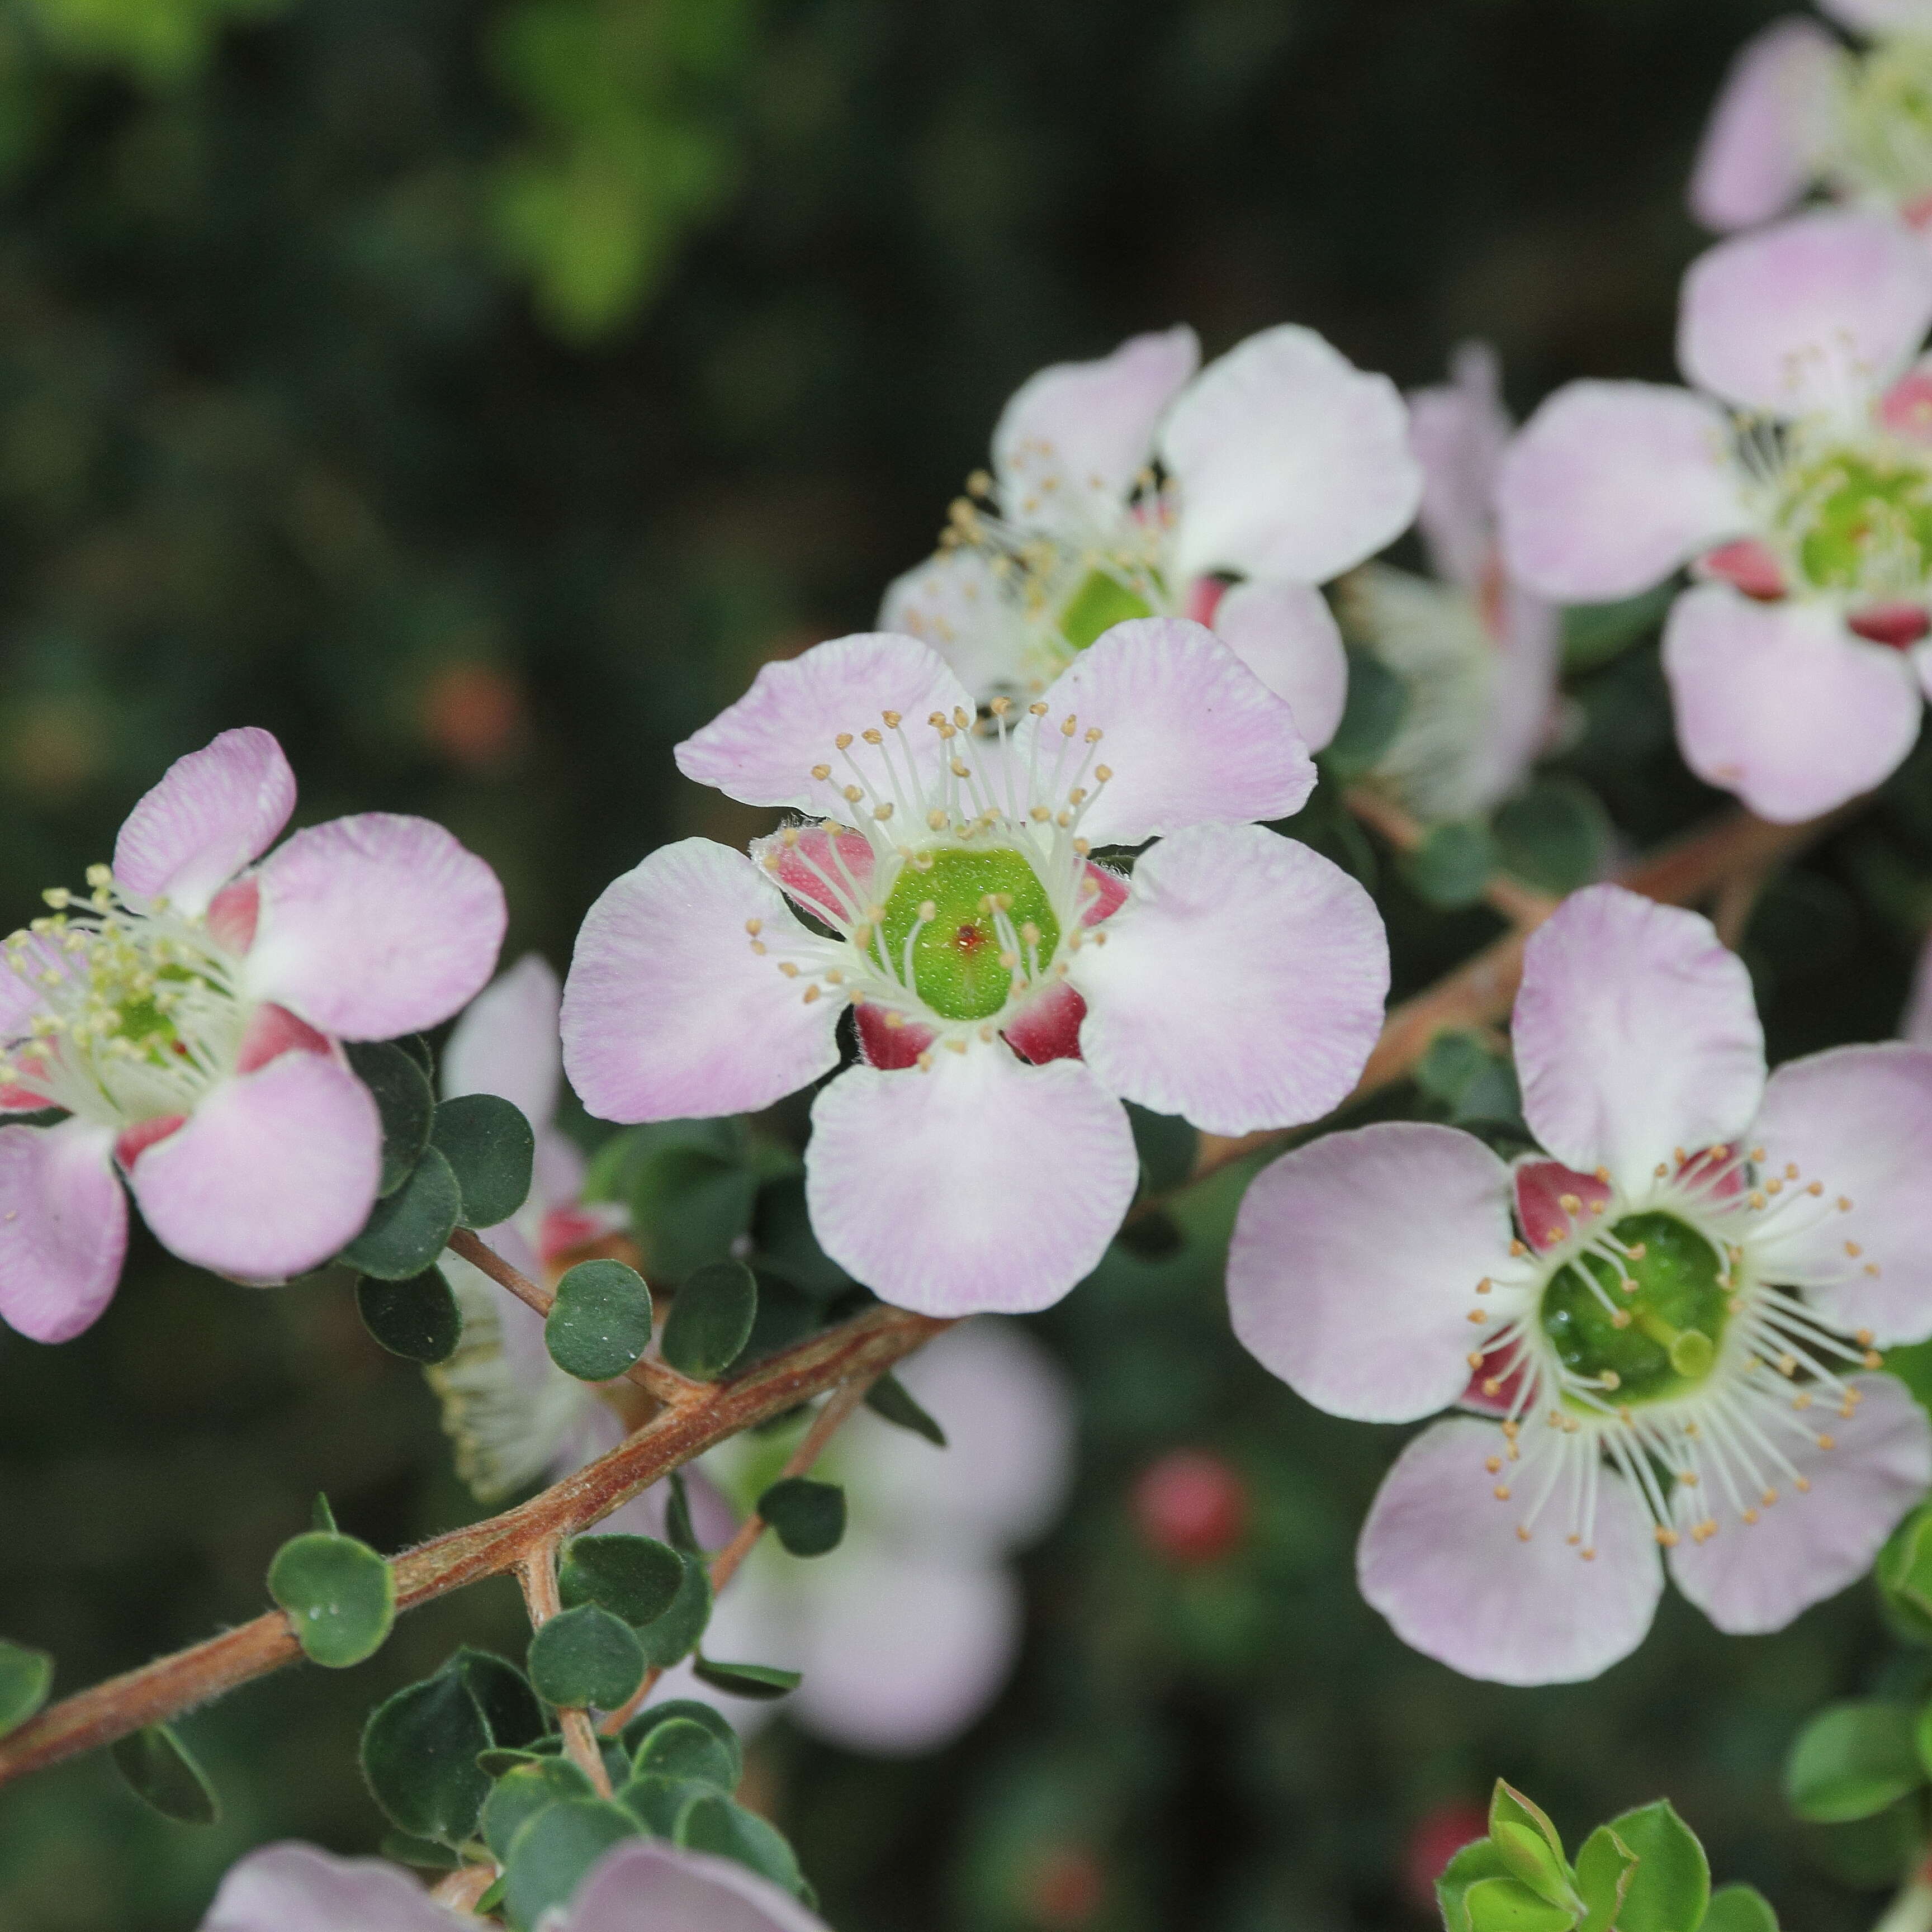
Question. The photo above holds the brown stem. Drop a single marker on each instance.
(537, 1574)
(1520, 905)
(686, 1426)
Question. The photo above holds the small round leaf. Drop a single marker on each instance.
(554, 1848)
(684, 1750)
(1851, 1761)
(26, 1676)
(400, 1085)
(161, 1771)
(490, 1149)
(808, 1518)
(585, 1657)
(601, 1321)
(520, 1793)
(339, 1595)
(406, 1231)
(417, 1318)
(1670, 1884)
(633, 1577)
(710, 1320)
(419, 1753)
(658, 1803)
(718, 1825)
(689, 1708)
(762, 1681)
(672, 1636)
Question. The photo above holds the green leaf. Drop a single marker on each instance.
(417, 1048)
(1903, 1570)
(658, 1803)
(339, 1595)
(762, 1681)
(419, 1753)
(490, 1149)
(690, 1186)
(1508, 1905)
(1470, 1866)
(320, 1515)
(1167, 1146)
(1603, 1868)
(1449, 869)
(417, 1318)
(424, 1853)
(503, 1695)
(808, 1518)
(553, 1848)
(1593, 634)
(26, 1676)
(1739, 1908)
(1851, 1760)
(1671, 1885)
(161, 1771)
(522, 1792)
(677, 1517)
(782, 1236)
(713, 1719)
(633, 1577)
(710, 1320)
(727, 1831)
(1378, 700)
(401, 1088)
(406, 1232)
(1521, 1832)
(888, 1397)
(585, 1657)
(496, 1762)
(1554, 834)
(672, 1636)
(601, 1321)
(684, 1750)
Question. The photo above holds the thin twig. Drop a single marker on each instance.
(1520, 905)
(537, 1575)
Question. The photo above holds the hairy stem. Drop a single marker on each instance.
(537, 1574)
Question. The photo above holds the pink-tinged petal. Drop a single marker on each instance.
(1610, 486)
(904, 1649)
(1779, 704)
(1636, 1034)
(1552, 1201)
(1459, 431)
(273, 1173)
(214, 810)
(1073, 439)
(1763, 142)
(1354, 1262)
(1906, 408)
(1049, 1026)
(63, 1227)
(298, 1887)
(669, 1014)
(981, 1184)
(506, 1043)
(1917, 1024)
(1008, 1416)
(1241, 984)
(1108, 895)
(1286, 635)
(884, 1042)
(643, 1885)
(763, 749)
(1818, 313)
(1440, 1558)
(831, 879)
(1746, 564)
(956, 603)
(1291, 462)
(1858, 1119)
(233, 914)
(1189, 734)
(295, 1888)
(1897, 626)
(22, 992)
(375, 925)
(1752, 1577)
(272, 1031)
(1521, 718)
(1880, 17)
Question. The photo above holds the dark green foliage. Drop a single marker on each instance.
(489, 1148)
(601, 1321)
(26, 1676)
(760, 1681)
(339, 1595)
(585, 1657)
(400, 1084)
(633, 1577)
(710, 1320)
(161, 1771)
(888, 1396)
(808, 1518)
(407, 1230)
(417, 1318)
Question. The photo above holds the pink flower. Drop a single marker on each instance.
(1799, 109)
(1279, 466)
(641, 1885)
(187, 1015)
(1800, 483)
(1661, 1349)
(1478, 654)
(1007, 991)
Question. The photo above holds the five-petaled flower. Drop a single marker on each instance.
(1666, 1347)
(1800, 109)
(186, 1014)
(1476, 653)
(1804, 492)
(1008, 991)
(1132, 487)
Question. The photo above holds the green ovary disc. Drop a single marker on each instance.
(1100, 603)
(1850, 514)
(1677, 1314)
(956, 968)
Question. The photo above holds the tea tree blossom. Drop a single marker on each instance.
(1665, 1323)
(641, 1885)
(1007, 991)
(1476, 653)
(1799, 109)
(909, 1629)
(1798, 485)
(1134, 487)
(184, 1014)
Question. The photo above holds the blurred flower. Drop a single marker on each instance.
(473, 714)
(1191, 1506)
(1799, 109)
(1477, 654)
(1281, 465)
(186, 1015)
(1007, 991)
(640, 1885)
(1804, 492)
(1064, 1887)
(910, 1629)
(1641, 1334)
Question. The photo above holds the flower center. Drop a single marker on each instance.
(1101, 601)
(1856, 522)
(1650, 1333)
(962, 930)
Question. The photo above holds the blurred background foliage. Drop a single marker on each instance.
(474, 394)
